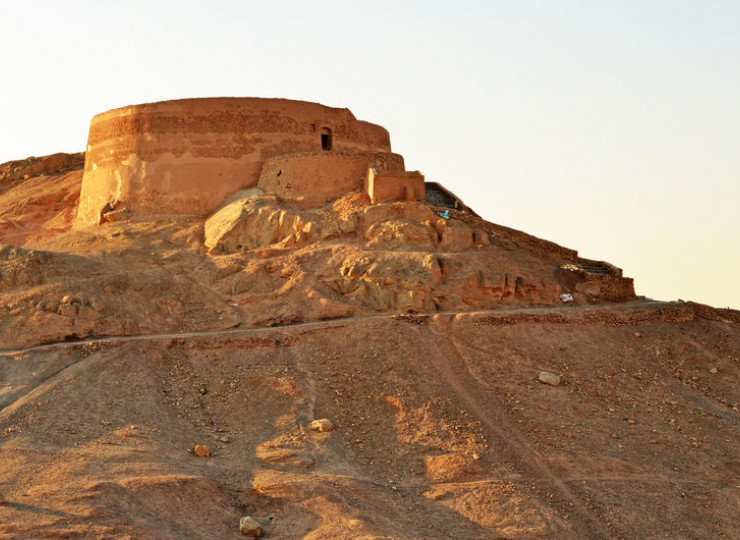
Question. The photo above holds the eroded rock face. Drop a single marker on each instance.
(260, 222)
(262, 261)
(20, 266)
(399, 256)
(47, 296)
(54, 164)
(389, 282)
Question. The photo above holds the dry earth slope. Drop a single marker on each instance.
(125, 345)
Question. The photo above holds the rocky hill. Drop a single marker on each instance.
(160, 378)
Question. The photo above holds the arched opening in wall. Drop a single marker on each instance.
(326, 142)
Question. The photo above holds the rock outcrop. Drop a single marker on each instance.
(53, 165)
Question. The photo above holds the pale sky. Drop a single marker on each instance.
(608, 126)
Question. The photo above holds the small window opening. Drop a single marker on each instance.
(326, 142)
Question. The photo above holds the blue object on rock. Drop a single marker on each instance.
(445, 214)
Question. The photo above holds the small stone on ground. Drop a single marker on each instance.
(546, 377)
(250, 527)
(322, 424)
(202, 450)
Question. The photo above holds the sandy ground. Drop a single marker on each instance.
(124, 346)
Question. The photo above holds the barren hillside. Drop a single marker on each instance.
(423, 340)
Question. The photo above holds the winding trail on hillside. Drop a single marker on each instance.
(632, 313)
(452, 367)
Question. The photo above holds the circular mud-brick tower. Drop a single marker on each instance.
(185, 157)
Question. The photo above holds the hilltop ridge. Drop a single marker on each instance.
(421, 331)
(259, 260)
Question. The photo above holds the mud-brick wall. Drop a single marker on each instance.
(616, 288)
(394, 185)
(317, 177)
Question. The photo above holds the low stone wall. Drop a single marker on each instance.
(383, 186)
(632, 314)
(317, 177)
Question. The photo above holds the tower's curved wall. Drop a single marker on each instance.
(187, 156)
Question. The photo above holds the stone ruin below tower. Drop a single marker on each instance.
(186, 157)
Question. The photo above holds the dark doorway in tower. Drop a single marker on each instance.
(326, 139)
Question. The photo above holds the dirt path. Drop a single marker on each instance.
(519, 482)
(451, 366)
(630, 313)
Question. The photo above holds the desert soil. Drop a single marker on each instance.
(125, 345)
